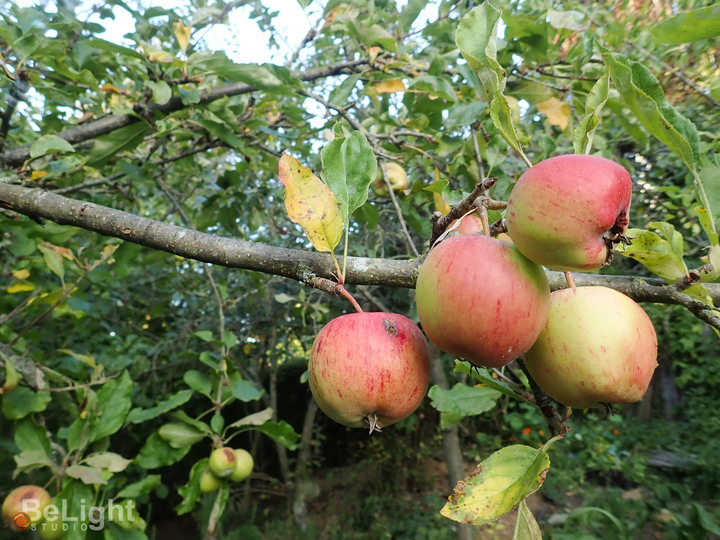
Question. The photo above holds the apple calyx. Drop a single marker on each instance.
(372, 420)
(616, 235)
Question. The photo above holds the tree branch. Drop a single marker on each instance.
(17, 156)
(293, 263)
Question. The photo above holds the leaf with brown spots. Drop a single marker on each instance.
(311, 204)
(498, 485)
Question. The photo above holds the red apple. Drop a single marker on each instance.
(469, 224)
(564, 211)
(24, 506)
(481, 299)
(369, 369)
(598, 346)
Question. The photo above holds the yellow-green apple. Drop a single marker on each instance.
(598, 347)
(396, 175)
(24, 506)
(209, 482)
(369, 368)
(222, 461)
(480, 299)
(567, 211)
(243, 467)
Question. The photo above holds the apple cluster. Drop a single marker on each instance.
(488, 301)
(226, 463)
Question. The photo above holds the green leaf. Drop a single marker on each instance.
(255, 419)
(246, 391)
(190, 492)
(157, 452)
(571, 19)
(107, 460)
(709, 184)
(662, 256)
(686, 26)
(497, 485)
(199, 382)
(161, 91)
(27, 435)
(205, 335)
(121, 140)
(180, 434)
(28, 460)
(501, 117)
(349, 166)
(140, 488)
(585, 129)
(476, 38)
(48, 144)
(483, 375)
(23, 401)
(137, 416)
(88, 475)
(74, 497)
(53, 259)
(646, 99)
(526, 528)
(280, 432)
(462, 400)
(114, 402)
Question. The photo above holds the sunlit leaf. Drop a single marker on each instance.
(662, 256)
(557, 112)
(476, 38)
(390, 86)
(585, 130)
(686, 26)
(182, 34)
(47, 144)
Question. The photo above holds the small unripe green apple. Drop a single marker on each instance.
(222, 461)
(480, 299)
(24, 506)
(243, 467)
(209, 482)
(369, 368)
(597, 347)
(563, 212)
(50, 529)
(396, 175)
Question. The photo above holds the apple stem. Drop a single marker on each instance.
(570, 280)
(372, 419)
(482, 209)
(330, 287)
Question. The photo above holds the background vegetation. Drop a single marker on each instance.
(111, 330)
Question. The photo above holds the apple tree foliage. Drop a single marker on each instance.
(171, 220)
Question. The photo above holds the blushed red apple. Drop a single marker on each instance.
(598, 347)
(481, 299)
(563, 212)
(25, 505)
(369, 368)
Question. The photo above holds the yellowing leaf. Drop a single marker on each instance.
(373, 52)
(557, 112)
(390, 86)
(21, 274)
(497, 485)
(36, 175)
(20, 286)
(182, 33)
(311, 204)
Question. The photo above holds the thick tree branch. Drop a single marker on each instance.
(293, 263)
(17, 156)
